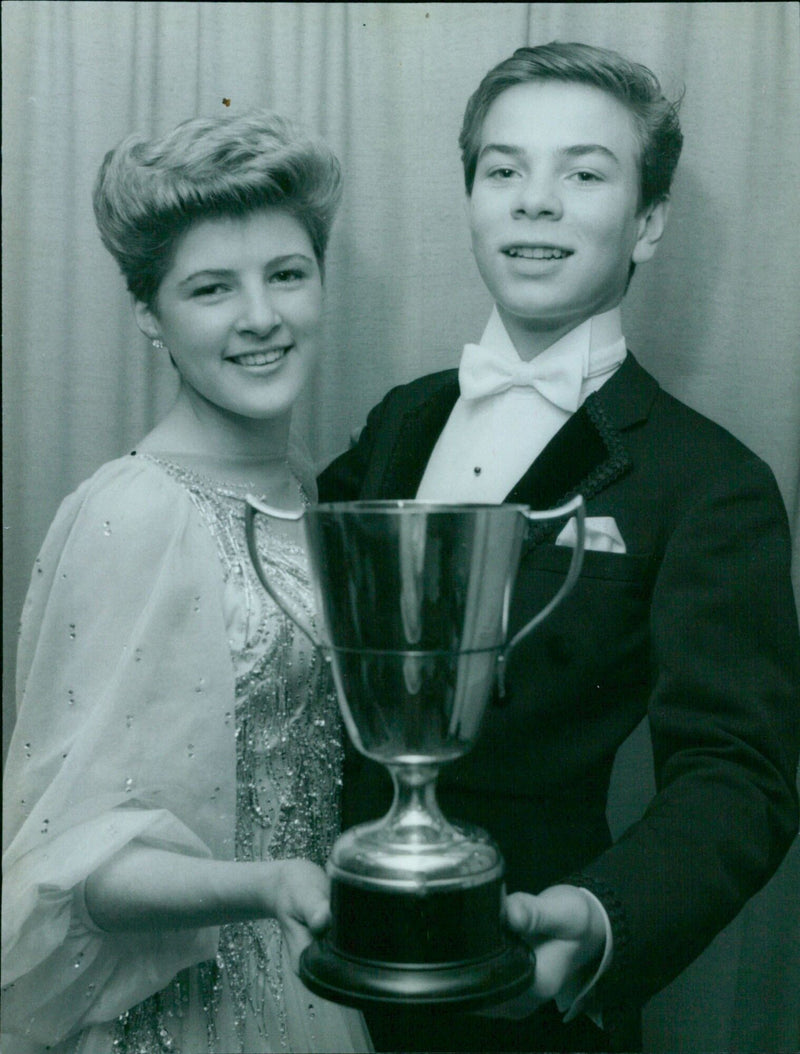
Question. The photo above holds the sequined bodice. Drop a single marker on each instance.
(288, 754)
(288, 732)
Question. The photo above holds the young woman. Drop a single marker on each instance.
(173, 780)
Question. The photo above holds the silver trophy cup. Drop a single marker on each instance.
(413, 602)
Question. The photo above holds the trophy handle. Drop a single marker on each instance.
(252, 506)
(576, 507)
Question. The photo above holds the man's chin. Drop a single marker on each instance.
(546, 319)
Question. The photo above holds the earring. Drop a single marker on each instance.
(158, 344)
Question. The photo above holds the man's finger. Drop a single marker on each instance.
(561, 912)
(522, 914)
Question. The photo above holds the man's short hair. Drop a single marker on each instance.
(633, 85)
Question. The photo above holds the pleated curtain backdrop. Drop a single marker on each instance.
(716, 316)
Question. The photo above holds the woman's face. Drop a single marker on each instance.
(239, 311)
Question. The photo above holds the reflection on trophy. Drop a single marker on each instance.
(413, 602)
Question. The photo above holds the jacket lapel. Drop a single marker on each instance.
(415, 438)
(584, 457)
(589, 452)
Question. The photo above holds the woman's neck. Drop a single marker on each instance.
(205, 432)
(228, 448)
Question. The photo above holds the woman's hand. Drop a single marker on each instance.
(153, 889)
(565, 928)
(300, 900)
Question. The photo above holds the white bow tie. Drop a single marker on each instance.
(484, 371)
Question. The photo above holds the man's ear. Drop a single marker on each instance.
(467, 206)
(651, 227)
(146, 320)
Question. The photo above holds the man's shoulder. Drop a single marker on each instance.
(431, 393)
(680, 428)
(423, 388)
(682, 452)
(693, 430)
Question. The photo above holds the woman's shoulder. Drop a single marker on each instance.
(132, 485)
(126, 534)
(131, 500)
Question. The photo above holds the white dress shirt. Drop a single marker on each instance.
(489, 443)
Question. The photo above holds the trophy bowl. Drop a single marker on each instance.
(413, 601)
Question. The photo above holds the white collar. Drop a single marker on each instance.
(597, 340)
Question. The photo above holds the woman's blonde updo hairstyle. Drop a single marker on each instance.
(149, 191)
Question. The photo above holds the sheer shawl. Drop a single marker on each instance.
(124, 681)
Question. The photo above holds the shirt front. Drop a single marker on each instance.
(489, 443)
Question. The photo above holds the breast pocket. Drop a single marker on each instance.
(556, 559)
(599, 633)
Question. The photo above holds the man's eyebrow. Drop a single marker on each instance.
(577, 150)
(501, 148)
(582, 149)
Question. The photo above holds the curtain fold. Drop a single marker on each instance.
(716, 315)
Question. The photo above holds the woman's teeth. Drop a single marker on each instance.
(260, 358)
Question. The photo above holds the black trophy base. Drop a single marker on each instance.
(445, 948)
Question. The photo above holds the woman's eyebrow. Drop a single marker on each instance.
(208, 272)
(229, 273)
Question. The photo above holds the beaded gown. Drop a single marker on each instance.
(164, 700)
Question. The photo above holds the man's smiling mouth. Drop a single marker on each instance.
(537, 252)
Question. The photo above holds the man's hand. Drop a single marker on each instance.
(566, 929)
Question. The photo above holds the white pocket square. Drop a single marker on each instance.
(602, 534)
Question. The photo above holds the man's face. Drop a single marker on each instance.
(554, 208)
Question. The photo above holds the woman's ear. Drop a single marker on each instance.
(146, 320)
(651, 227)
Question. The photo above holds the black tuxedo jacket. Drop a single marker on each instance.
(694, 626)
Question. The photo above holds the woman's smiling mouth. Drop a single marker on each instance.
(261, 358)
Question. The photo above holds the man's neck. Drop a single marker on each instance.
(531, 338)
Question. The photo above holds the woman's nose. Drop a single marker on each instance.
(538, 196)
(259, 314)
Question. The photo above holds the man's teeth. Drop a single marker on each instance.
(538, 253)
(260, 358)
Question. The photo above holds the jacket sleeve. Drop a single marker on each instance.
(343, 479)
(725, 725)
(124, 680)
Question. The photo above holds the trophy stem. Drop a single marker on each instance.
(415, 818)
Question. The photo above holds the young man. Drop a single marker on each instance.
(683, 612)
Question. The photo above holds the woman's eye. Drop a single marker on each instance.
(501, 173)
(213, 289)
(586, 177)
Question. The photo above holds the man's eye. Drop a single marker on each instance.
(501, 173)
(287, 275)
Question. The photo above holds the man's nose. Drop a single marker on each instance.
(538, 195)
